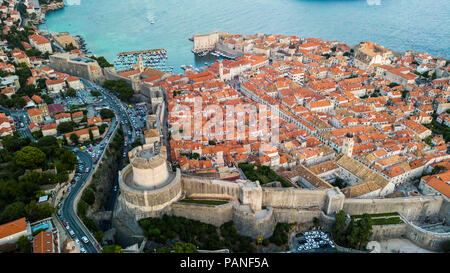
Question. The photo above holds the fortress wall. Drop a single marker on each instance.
(206, 188)
(410, 207)
(326, 222)
(254, 225)
(210, 214)
(424, 238)
(384, 232)
(293, 215)
(445, 211)
(147, 200)
(294, 198)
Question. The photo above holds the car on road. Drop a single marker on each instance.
(77, 240)
(83, 250)
(72, 234)
(87, 170)
(85, 239)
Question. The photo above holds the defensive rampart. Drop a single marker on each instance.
(410, 207)
(210, 214)
(424, 238)
(200, 188)
(294, 198)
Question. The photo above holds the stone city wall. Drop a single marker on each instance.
(424, 238)
(252, 224)
(411, 207)
(384, 232)
(295, 215)
(194, 187)
(210, 214)
(445, 211)
(150, 199)
(294, 198)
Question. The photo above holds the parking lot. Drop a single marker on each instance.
(314, 241)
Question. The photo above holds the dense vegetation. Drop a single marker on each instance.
(112, 249)
(354, 235)
(439, 129)
(101, 61)
(106, 113)
(205, 236)
(120, 86)
(179, 247)
(280, 235)
(263, 174)
(25, 166)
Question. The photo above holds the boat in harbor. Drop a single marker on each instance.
(187, 67)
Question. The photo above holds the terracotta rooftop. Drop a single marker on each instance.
(13, 227)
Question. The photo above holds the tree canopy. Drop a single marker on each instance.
(29, 157)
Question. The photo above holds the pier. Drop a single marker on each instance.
(143, 52)
(153, 58)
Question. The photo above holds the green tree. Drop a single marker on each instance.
(65, 127)
(70, 47)
(353, 235)
(338, 230)
(316, 222)
(91, 135)
(23, 245)
(99, 235)
(365, 231)
(35, 212)
(82, 208)
(95, 93)
(71, 92)
(106, 113)
(88, 196)
(74, 138)
(112, 249)
(29, 157)
(101, 61)
(48, 141)
(446, 246)
(181, 247)
(12, 212)
(19, 103)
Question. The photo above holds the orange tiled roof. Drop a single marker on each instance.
(13, 227)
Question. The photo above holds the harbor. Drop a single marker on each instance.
(153, 58)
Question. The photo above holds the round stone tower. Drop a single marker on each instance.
(149, 170)
(147, 186)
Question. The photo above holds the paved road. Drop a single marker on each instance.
(68, 213)
(120, 109)
(67, 210)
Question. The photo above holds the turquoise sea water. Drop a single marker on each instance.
(113, 26)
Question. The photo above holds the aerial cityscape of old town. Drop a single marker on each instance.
(267, 143)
